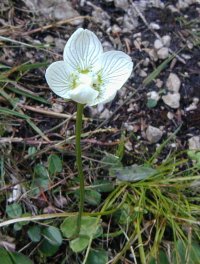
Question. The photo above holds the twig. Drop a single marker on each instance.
(55, 24)
(51, 113)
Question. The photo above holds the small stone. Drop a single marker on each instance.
(163, 53)
(105, 114)
(152, 54)
(124, 4)
(182, 4)
(190, 45)
(193, 105)
(142, 73)
(58, 108)
(101, 17)
(194, 143)
(54, 9)
(145, 43)
(146, 62)
(130, 20)
(186, 56)
(137, 44)
(16, 193)
(49, 39)
(196, 100)
(153, 95)
(172, 100)
(154, 26)
(159, 83)
(60, 44)
(158, 44)
(153, 134)
(170, 115)
(128, 127)
(116, 29)
(137, 35)
(173, 83)
(107, 46)
(173, 9)
(128, 145)
(166, 40)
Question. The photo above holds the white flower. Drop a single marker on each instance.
(87, 75)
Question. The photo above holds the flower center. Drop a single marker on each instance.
(89, 79)
(85, 79)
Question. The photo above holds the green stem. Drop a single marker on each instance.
(79, 117)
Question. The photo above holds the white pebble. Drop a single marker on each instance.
(166, 40)
(153, 134)
(173, 83)
(172, 100)
(163, 53)
(158, 44)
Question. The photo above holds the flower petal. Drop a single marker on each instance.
(106, 94)
(58, 78)
(83, 94)
(116, 68)
(82, 50)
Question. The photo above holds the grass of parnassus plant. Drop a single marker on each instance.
(153, 220)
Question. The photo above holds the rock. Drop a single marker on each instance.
(128, 127)
(54, 9)
(49, 39)
(173, 83)
(142, 73)
(101, 17)
(154, 26)
(116, 29)
(170, 115)
(186, 56)
(60, 44)
(182, 4)
(152, 54)
(193, 105)
(107, 46)
(130, 20)
(137, 35)
(172, 100)
(58, 108)
(145, 43)
(194, 143)
(158, 44)
(146, 62)
(173, 9)
(153, 134)
(105, 114)
(153, 95)
(128, 145)
(166, 40)
(123, 4)
(163, 53)
(16, 193)
(159, 83)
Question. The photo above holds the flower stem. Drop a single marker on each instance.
(79, 117)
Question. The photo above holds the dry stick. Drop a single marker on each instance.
(46, 112)
(50, 113)
(156, 33)
(55, 24)
(28, 141)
